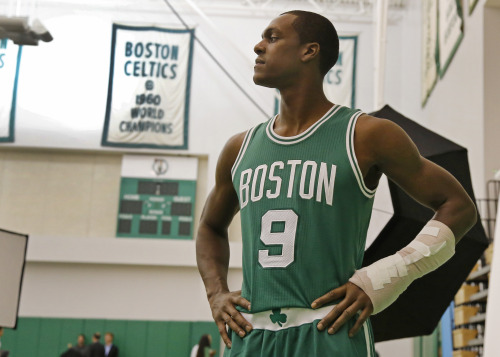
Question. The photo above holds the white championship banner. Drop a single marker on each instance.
(149, 86)
(10, 56)
(429, 48)
(339, 82)
(450, 32)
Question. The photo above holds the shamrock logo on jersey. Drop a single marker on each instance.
(277, 317)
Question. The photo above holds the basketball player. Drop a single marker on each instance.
(304, 183)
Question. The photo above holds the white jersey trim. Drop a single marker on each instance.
(352, 156)
(368, 340)
(289, 140)
(243, 149)
(297, 316)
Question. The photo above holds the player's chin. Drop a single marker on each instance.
(261, 80)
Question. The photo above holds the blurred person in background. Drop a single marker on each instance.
(96, 349)
(2, 353)
(203, 348)
(110, 350)
(76, 351)
(81, 347)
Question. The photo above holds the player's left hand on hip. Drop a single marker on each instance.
(354, 300)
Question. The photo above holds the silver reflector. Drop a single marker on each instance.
(12, 257)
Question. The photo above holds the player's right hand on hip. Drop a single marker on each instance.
(224, 313)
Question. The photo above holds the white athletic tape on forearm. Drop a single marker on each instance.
(385, 269)
(384, 280)
(432, 231)
(426, 250)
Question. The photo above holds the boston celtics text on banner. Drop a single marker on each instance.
(157, 197)
(149, 86)
(450, 32)
(429, 48)
(10, 57)
(339, 83)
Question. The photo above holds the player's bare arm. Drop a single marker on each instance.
(395, 155)
(212, 247)
(382, 147)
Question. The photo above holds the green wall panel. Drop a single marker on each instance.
(178, 341)
(49, 337)
(50, 334)
(30, 335)
(157, 338)
(135, 335)
(91, 326)
(28, 339)
(70, 329)
(9, 339)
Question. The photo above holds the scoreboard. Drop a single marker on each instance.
(157, 197)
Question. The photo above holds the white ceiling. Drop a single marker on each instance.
(356, 10)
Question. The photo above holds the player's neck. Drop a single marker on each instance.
(299, 109)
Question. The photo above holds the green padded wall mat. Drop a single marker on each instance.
(49, 337)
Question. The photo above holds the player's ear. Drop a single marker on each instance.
(310, 52)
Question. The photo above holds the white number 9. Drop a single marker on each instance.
(286, 238)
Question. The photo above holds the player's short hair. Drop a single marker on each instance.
(312, 27)
(97, 335)
(110, 333)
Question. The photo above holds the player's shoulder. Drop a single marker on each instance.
(370, 123)
(233, 145)
(381, 138)
(234, 142)
(378, 130)
(230, 151)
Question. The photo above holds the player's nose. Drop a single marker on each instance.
(259, 48)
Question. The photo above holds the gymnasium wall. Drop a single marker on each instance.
(60, 113)
(455, 108)
(67, 202)
(70, 112)
(60, 186)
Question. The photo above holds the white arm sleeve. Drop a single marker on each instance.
(384, 280)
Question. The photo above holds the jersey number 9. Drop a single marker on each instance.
(286, 238)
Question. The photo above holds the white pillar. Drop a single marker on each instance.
(381, 7)
(491, 341)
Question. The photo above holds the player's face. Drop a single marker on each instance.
(278, 54)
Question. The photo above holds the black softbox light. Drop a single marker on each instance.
(419, 309)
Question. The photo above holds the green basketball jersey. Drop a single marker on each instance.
(304, 210)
